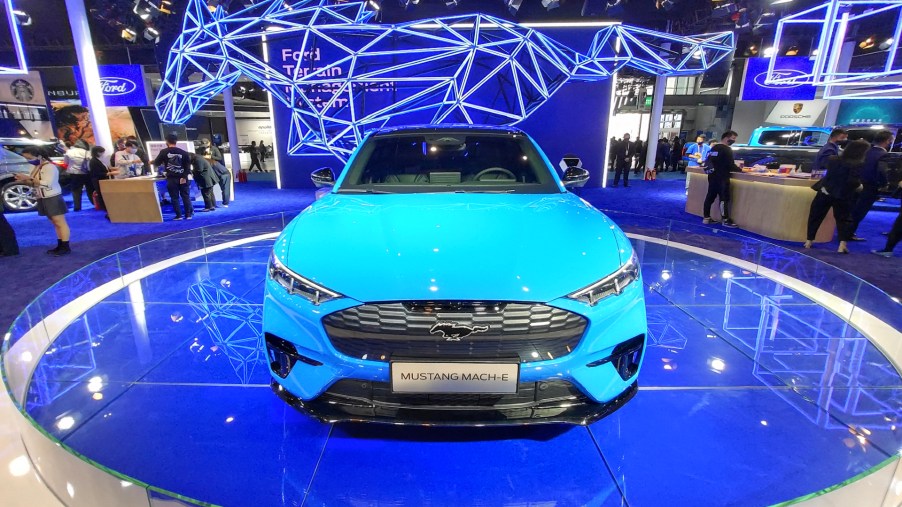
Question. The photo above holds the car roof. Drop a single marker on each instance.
(449, 127)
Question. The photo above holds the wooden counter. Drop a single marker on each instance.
(772, 206)
(132, 200)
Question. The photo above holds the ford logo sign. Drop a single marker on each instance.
(117, 86)
(780, 74)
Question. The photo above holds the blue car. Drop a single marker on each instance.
(450, 278)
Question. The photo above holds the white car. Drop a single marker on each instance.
(15, 195)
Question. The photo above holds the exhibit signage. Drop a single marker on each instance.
(22, 89)
(755, 88)
(797, 113)
(122, 85)
(869, 112)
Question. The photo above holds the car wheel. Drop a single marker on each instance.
(18, 197)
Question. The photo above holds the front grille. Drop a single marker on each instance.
(531, 332)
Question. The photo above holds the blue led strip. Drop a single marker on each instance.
(17, 43)
(469, 68)
(834, 21)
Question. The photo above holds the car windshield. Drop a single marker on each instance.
(449, 162)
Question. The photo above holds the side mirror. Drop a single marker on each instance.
(575, 177)
(323, 177)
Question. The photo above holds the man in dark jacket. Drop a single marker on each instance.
(676, 154)
(662, 155)
(623, 155)
(719, 165)
(895, 236)
(205, 179)
(175, 163)
(873, 176)
(831, 149)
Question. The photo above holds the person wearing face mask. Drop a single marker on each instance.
(45, 178)
(719, 165)
(141, 154)
(623, 151)
(697, 154)
(120, 147)
(128, 163)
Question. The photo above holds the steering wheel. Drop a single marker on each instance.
(496, 170)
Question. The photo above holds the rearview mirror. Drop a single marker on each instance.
(323, 177)
(575, 177)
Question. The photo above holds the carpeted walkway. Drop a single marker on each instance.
(93, 237)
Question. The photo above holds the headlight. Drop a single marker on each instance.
(612, 284)
(297, 284)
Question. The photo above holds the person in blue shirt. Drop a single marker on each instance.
(697, 153)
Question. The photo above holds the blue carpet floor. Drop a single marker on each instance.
(93, 237)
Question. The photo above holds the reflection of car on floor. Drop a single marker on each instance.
(18, 196)
(450, 278)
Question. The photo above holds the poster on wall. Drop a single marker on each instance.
(754, 87)
(802, 113)
(23, 89)
(73, 122)
(869, 112)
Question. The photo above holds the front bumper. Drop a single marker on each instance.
(586, 384)
(535, 403)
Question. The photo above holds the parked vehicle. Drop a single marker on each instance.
(17, 196)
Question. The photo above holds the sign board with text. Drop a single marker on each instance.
(755, 88)
(122, 85)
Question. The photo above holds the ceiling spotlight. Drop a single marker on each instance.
(753, 50)
(152, 34)
(778, 2)
(667, 5)
(769, 52)
(867, 43)
(886, 44)
(212, 5)
(551, 4)
(165, 6)
(451, 3)
(129, 34)
(408, 4)
(792, 51)
(513, 6)
(814, 52)
(22, 18)
(376, 5)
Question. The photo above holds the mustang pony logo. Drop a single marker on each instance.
(453, 332)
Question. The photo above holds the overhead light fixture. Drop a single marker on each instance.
(22, 18)
(867, 43)
(376, 5)
(667, 5)
(778, 2)
(165, 6)
(408, 4)
(451, 3)
(886, 44)
(815, 51)
(152, 34)
(129, 34)
(212, 5)
(513, 6)
(769, 52)
(792, 51)
(551, 4)
(753, 50)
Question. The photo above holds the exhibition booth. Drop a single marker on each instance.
(313, 356)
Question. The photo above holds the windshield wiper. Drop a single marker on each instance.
(362, 191)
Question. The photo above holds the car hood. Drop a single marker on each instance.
(490, 247)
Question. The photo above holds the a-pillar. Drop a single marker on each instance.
(90, 74)
(654, 126)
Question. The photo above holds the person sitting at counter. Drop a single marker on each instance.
(697, 153)
(837, 190)
(830, 149)
(719, 165)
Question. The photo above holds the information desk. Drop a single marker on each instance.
(132, 200)
(772, 206)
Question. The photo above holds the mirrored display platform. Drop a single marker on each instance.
(751, 392)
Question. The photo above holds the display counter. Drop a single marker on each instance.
(772, 206)
(132, 200)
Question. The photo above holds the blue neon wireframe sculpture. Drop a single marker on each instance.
(459, 69)
(830, 24)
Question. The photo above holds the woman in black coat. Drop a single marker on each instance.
(838, 190)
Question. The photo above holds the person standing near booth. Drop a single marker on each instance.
(223, 174)
(205, 179)
(623, 156)
(77, 159)
(9, 246)
(720, 163)
(873, 176)
(255, 157)
(175, 163)
(45, 178)
(697, 153)
(99, 172)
